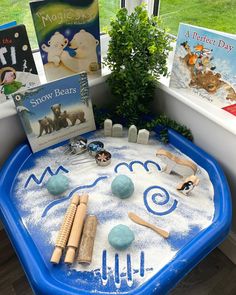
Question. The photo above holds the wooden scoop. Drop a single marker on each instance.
(135, 218)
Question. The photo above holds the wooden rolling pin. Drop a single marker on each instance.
(135, 218)
(64, 232)
(75, 234)
(87, 240)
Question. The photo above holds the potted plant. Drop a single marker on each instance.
(137, 57)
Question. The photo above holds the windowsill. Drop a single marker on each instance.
(218, 116)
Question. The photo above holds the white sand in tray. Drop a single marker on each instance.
(195, 210)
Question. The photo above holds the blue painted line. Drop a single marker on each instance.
(142, 270)
(58, 201)
(151, 162)
(104, 265)
(153, 199)
(121, 164)
(47, 170)
(130, 165)
(117, 271)
(129, 268)
(157, 202)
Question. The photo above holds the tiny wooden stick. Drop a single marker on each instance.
(87, 240)
(135, 218)
(75, 234)
(64, 232)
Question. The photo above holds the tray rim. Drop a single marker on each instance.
(162, 282)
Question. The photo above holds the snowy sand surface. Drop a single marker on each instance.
(149, 252)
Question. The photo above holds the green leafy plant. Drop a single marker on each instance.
(137, 55)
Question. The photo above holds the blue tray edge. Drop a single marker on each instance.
(184, 261)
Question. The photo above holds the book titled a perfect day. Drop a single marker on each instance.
(204, 66)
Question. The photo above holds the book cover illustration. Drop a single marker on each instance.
(204, 64)
(17, 67)
(56, 111)
(69, 37)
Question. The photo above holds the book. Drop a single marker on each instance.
(56, 111)
(68, 36)
(8, 25)
(17, 67)
(204, 65)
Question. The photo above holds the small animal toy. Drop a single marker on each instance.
(175, 164)
(188, 184)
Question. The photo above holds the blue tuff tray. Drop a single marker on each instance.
(45, 278)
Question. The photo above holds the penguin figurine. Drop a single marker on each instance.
(188, 184)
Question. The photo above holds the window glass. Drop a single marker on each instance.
(218, 15)
(19, 11)
(107, 10)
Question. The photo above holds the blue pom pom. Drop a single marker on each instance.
(57, 184)
(122, 186)
(120, 237)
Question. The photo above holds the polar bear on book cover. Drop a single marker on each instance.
(57, 44)
(85, 46)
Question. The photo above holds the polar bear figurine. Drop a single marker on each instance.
(86, 58)
(57, 43)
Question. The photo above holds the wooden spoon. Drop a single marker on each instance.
(135, 218)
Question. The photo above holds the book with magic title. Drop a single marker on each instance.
(68, 36)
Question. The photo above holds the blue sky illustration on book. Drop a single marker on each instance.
(65, 92)
(56, 111)
(214, 52)
(223, 47)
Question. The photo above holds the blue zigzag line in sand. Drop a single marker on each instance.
(47, 170)
(53, 203)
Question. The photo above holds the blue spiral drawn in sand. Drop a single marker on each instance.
(53, 203)
(154, 201)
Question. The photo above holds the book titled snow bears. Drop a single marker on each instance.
(56, 111)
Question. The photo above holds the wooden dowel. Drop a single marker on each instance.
(64, 232)
(75, 234)
(87, 240)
